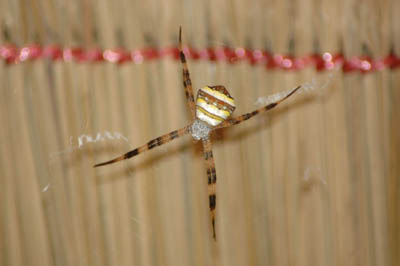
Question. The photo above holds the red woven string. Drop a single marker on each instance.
(12, 55)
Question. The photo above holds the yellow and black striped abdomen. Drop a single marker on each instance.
(214, 105)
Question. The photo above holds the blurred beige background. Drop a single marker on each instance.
(314, 182)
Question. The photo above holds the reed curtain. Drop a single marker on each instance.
(313, 182)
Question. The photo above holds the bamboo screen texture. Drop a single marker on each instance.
(313, 182)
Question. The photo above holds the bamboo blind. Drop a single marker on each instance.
(314, 182)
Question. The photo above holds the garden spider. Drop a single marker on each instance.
(214, 105)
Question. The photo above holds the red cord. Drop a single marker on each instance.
(327, 61)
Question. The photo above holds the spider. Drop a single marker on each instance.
(211, 111)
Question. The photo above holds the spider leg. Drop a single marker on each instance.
(212, 180)
(150, 145)
(187, 83)
(244, 117)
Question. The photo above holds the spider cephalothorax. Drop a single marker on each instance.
(213, 106)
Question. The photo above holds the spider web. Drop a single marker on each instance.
(317, 86)
(79, 144)
(84, 145)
